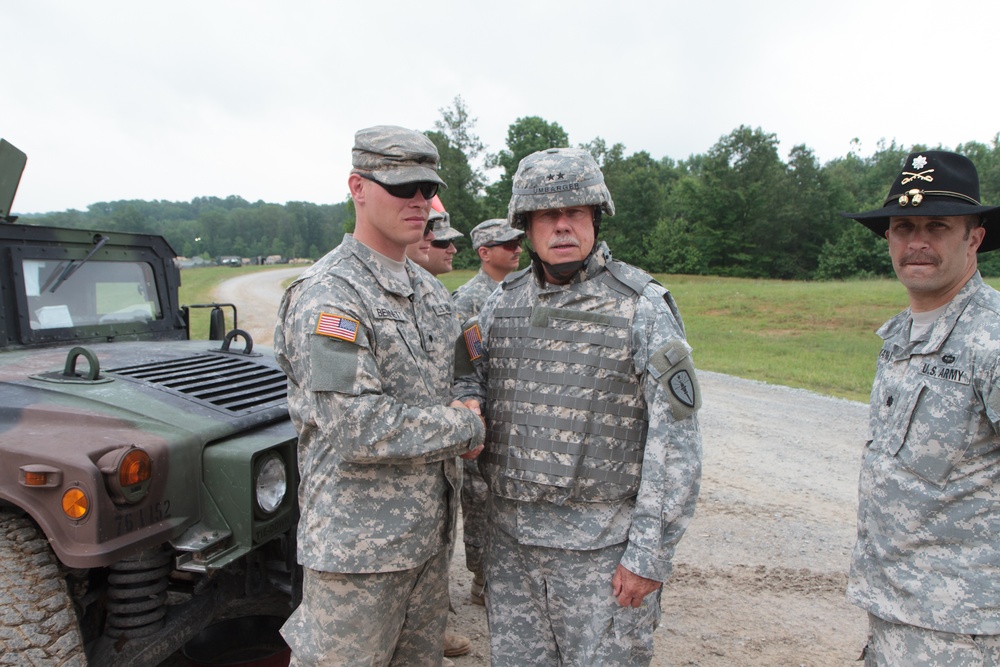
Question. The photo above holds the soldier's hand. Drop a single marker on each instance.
(630, 588)
(471, 404)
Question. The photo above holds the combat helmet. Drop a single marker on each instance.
(557, 178)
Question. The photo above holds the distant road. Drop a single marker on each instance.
(256, 296)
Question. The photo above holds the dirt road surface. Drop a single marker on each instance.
(760, 574)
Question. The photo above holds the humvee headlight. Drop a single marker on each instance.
(127, 472)
(135, 468)
(271, 483)
(75, 503)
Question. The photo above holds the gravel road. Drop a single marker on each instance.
(760, 574)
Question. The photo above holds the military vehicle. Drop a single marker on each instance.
(147, 484)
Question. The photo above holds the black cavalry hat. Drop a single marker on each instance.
(936, 183)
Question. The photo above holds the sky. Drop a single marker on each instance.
(116, 100)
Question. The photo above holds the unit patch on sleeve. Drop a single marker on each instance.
(338, 326)
(474, 342)
(682, 387)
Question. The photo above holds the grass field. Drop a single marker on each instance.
(813, 335)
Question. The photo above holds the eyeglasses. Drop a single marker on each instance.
(407, 190)
(506, 245)
(440, 245)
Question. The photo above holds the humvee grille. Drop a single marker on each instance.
(235, 385)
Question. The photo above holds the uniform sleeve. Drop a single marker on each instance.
(338, 393)
(671, 469)
(472, 355)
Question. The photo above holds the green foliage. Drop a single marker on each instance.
(739, 210)
(212, 227)
(857, 253)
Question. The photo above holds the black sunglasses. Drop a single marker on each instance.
(440, 245)
(506, 245)
(407, 190)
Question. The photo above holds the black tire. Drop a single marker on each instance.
(37, 623)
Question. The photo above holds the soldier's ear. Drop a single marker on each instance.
(356, 184)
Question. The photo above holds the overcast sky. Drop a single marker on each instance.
(189, 98)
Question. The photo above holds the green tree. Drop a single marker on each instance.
(460, 198)
(459, 128)
(857, 253)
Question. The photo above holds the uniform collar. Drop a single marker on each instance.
(896, 330)
(386, 280)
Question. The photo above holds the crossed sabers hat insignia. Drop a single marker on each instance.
(912, 176)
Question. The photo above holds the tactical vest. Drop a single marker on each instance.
(567, 418)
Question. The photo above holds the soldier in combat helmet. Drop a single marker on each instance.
(367, 340)
(593, 452)
(927, 559)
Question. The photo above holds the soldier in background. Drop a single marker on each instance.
(499, 248)
(435, 254)
(367, 341)
(593, 452)
(927, 559)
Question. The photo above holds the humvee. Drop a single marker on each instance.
(147, 484)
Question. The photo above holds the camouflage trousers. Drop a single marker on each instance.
(475, 495)
(375, 620)
(554, 607)
(900, 645)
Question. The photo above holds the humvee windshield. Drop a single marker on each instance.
(96, 292)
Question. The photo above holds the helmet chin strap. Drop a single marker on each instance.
(561, 273)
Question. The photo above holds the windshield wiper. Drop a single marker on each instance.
(99, 241)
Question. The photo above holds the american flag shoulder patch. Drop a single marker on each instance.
(338, 326)
(473, 342)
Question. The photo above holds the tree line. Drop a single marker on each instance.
(739, 209)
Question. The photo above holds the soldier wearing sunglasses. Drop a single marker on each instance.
(435, 252)
(367, 341)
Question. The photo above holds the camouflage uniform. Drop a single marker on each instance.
(588, 475)
(927, 553)
(369, 361)
(470, 297)
(469, 300)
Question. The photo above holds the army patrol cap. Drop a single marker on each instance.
(493, 232)
(395, 155)
(934, 183)
(443, 231)
(557, 178)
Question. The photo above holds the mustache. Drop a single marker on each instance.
(564, 241)
(918, 258)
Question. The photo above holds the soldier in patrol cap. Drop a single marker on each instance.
(593, 452)
(367, 341)
(499, 248)
(435, 254)
(927, 559)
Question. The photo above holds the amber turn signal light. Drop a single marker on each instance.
(75, 503)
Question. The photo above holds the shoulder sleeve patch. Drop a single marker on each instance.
(473, 342)
(672, 366)
(337, 326)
